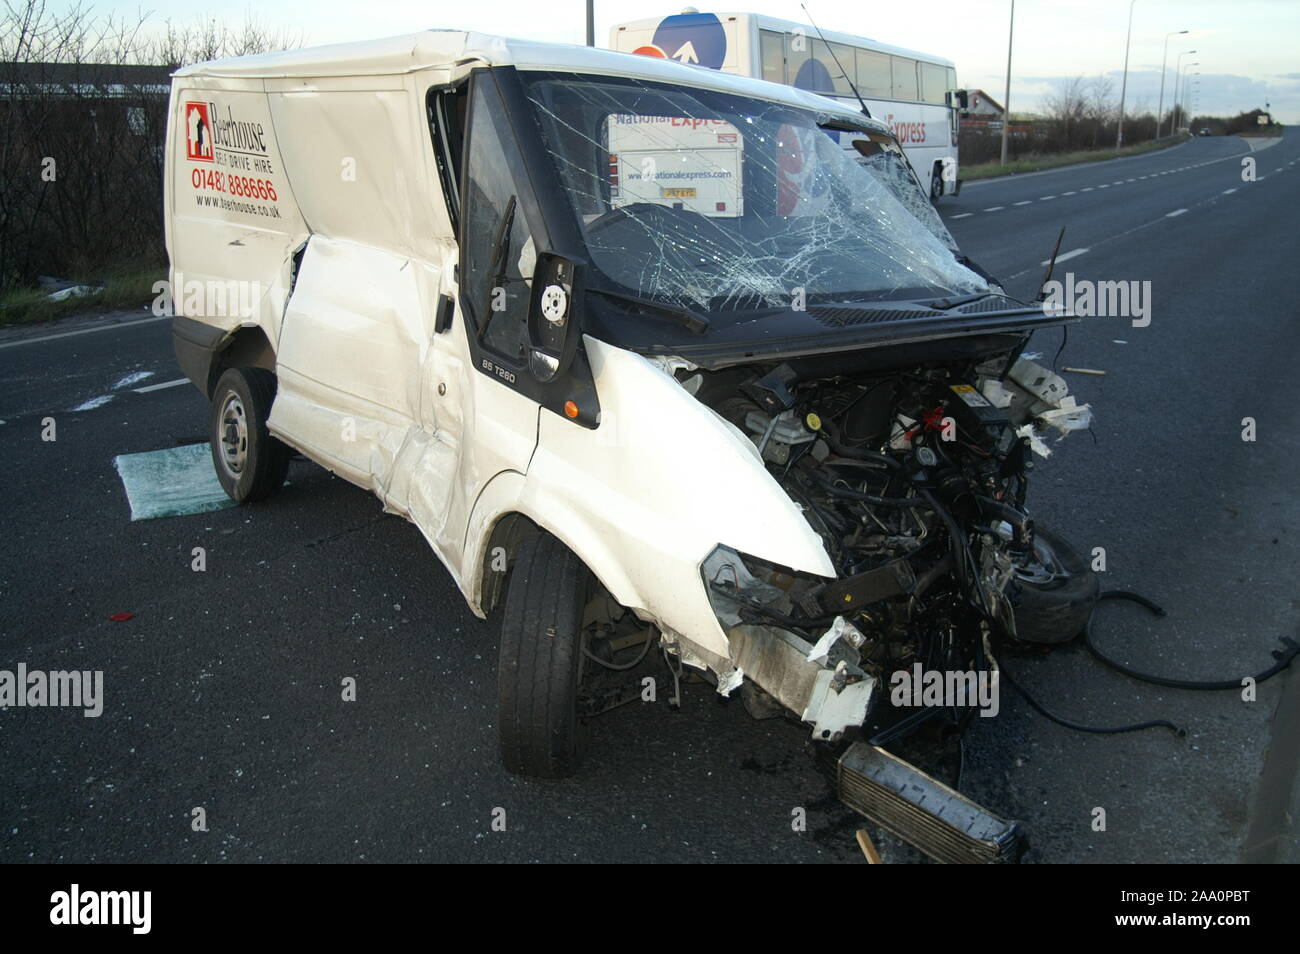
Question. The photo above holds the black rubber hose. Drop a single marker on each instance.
(1282, 656)
(1019, 521)
(832, 438)
(961, 553)
(1080, 727)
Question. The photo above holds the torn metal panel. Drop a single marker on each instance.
(829, 699)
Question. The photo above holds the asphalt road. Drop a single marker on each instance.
(223, 692)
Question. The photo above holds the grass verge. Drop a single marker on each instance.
(125, 289)
(986, 170)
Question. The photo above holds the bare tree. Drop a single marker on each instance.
(1065, 109)
(1100, 110)
(81, 133)
(178, 45)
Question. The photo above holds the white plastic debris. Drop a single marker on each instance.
(1036, 443)
(1068, 417)
(997, 393)
(729, 682)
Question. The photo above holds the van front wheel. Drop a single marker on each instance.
(541, 660)
(251, 464)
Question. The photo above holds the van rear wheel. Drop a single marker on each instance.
(540, 665)
(251, 464)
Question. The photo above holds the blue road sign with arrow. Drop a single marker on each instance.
(693, 38)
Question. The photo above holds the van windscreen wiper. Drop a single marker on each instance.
(690, 320)
(944, 304)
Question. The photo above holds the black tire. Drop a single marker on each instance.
(540, 665)
(250, 464)
(1054, 611)
(936, 183)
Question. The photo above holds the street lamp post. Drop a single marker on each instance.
(1164, 59)
(1178, 72)
(591, 22)
(1123, 88)
(1187, 84)
(1006, 96)
(1189, 92)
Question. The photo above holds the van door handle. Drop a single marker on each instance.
(442, 320)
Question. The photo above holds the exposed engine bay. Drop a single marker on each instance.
(915, 477)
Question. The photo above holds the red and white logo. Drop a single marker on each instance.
(198, 133)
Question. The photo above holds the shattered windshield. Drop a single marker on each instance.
(720, 202)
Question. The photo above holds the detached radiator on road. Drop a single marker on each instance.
(922, 811)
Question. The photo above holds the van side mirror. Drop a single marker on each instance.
(960, 99)
(552, 317)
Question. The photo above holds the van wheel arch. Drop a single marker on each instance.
(247, 347)
(508, 533)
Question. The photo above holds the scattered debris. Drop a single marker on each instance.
(171, 482)
(61, 289)
(134, 378)
(92, 403)
(869, 848)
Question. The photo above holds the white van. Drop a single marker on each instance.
(649, 359)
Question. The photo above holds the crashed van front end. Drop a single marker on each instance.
(824, 400)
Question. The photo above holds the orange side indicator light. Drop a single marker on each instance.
(571, 409)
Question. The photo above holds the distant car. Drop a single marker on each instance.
(1205, 131)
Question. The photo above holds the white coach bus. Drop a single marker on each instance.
(914, 93)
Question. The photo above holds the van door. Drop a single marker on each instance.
(508, 230)
(356, 333)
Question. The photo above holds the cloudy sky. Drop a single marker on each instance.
(1248, 51)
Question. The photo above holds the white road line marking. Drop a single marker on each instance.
(1068, 255)
(994, 208)
(1026, 202)
(1044, 198)
(1089, 189)
(1229, 191)
(1170, 215)
(159, 387)
(1120, 182)
(83, 331)
(1261, 178)
(962, 215)
(1102, 186)
(1067, 193)
(1130, 180)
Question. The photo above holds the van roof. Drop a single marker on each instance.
(433, 49)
